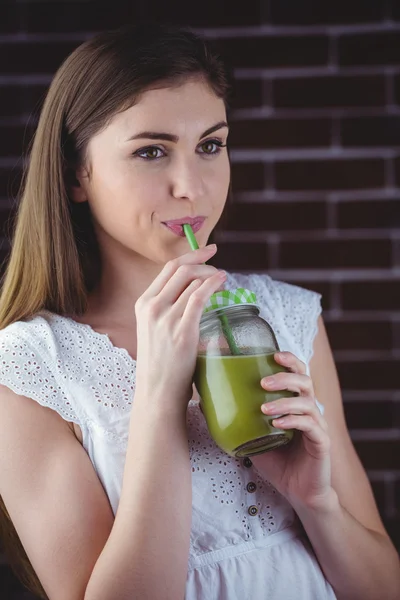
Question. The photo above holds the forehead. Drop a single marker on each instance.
(190, 102)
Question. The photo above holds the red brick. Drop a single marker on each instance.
(336, 254)
(4, 257)
(397, 494)
(247, 176)
(370, 131)
(380, 374)
(392, 526)
(395, 6)
(14, 140)
(380, 414)
(241, 256)
(378, 454)
(370, 48)
(309, 12)
(353, 335)
(333, 91)
(80, 16)
(330, 174)
(275, 51)
(21, 99)
(397, 170)
(248, 93)
(6, 220)
(10, 17)
(397, 89)
(368, 213)
(276, 216)
(371, 295)
(10, 101)
(280, 133)
(34, 57)
(10, 180)
(378, 488)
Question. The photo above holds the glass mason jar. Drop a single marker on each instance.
(236, 350)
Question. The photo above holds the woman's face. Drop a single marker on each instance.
(155, 162)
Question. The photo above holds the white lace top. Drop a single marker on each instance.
(246, 540)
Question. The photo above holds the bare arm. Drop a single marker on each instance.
(348, 535)
(146, 555)
(63, 517)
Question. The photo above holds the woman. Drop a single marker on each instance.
(107, 470)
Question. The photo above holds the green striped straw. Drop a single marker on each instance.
(224, 321)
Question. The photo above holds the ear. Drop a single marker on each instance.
(75, 185)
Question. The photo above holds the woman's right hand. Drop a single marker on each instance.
(168, 316)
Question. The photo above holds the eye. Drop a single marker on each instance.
(149, 153)
(210, 144)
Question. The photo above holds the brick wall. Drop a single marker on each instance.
(315, 147)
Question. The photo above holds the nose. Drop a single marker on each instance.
(187, 180)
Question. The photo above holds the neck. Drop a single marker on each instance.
(121, 285)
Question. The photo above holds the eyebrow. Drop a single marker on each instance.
(169, 137)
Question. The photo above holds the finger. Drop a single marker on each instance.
(181, 279)
(199, 298)
(179, 307)
(308, 427)
(291, 362)
(298, 405)
(294, 382)
(194, 257)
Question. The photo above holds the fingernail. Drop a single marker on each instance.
(269, 382)
(210, 247)
(268, 407)
(222, 274)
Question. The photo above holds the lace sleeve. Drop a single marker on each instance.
(27, 370)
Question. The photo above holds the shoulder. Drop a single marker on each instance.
(31, 364)
(273, 290)
(35, 330)
(291, 310)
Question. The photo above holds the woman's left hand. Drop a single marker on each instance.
(301, 470)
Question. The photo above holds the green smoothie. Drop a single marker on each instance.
(231, 397)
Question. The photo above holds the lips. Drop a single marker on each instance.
(176, 225)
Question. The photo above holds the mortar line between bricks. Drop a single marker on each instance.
(227, 32)
(316, 154)
(261, 196)
(375, 435)
(379, 474)
(312, 114)
(297, 30)
(350, 316)
(315, 235)
(361, 355)
(371, 396)
(329, 275)
(312, 71)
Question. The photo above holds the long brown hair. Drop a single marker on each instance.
(53, 238)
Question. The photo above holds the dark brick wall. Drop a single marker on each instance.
(315, 147)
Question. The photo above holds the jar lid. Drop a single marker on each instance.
(239, 296)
